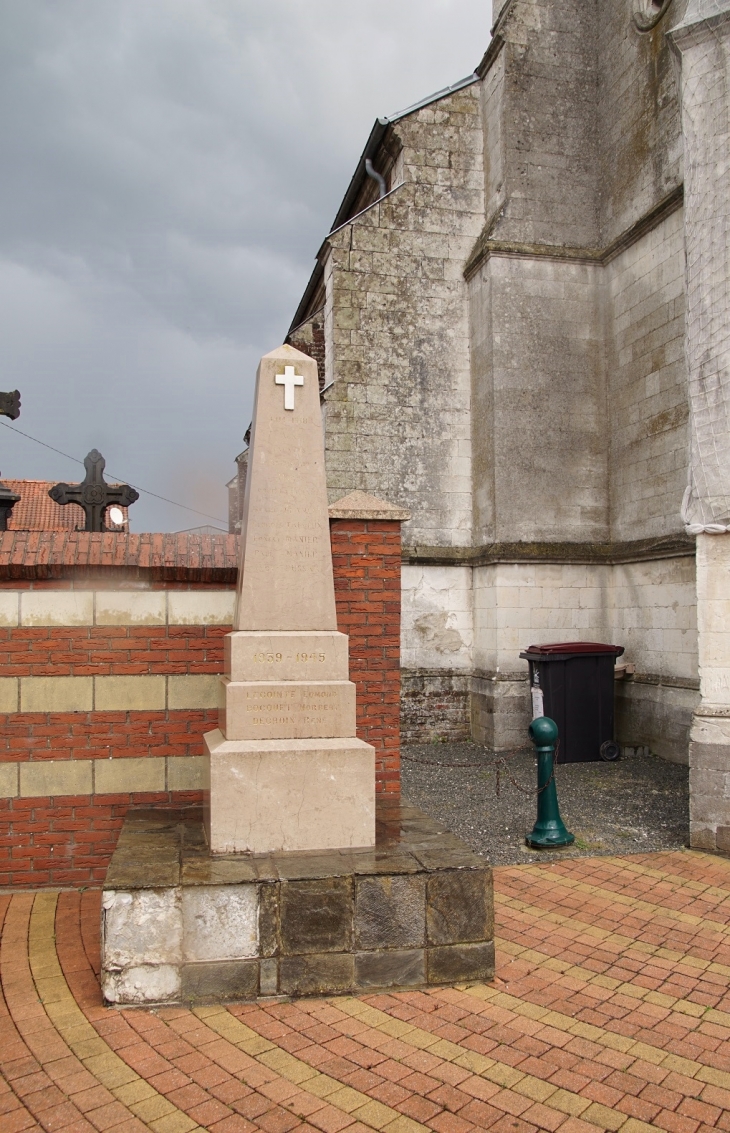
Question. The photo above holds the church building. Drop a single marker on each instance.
(522, 320)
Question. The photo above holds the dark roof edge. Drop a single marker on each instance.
(353, 189)
(435, 97)
(300, 315)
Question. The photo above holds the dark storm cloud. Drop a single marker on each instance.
(169, 170)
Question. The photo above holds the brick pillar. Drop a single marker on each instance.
(366, 556)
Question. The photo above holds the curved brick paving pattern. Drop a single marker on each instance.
(610, 1011)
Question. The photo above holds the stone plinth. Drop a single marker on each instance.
(302, 794)
(179, 925)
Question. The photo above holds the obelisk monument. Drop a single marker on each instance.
(286, 771)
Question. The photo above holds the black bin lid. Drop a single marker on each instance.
(562, 650)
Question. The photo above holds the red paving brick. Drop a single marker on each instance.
(610, 1009)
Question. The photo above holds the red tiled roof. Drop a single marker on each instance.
(176, 557)
(36, 511)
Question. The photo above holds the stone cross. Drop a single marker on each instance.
(289, 379)
(93, 494)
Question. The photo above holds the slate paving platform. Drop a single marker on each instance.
(179, 925)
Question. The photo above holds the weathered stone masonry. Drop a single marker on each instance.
(504, 356)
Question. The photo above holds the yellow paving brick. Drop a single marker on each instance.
(603, 1116)
(150, 1109)
(293, 1069)
(680, 1065)
(713, 1077)
(534, 1088)
(471, 1060)
(404, 1124)
(136, 1091)
(322, 1086)
(633, 1125)
(421, 1039)
(375, 1114)
(347, 1099)
(503, 1075)
(174, 1123)
(572, 1104)
(648, 1053)
(444, 1049)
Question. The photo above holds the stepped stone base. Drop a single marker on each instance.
(179, 925)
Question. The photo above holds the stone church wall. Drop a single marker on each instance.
(398, 416)
(647, 383)
(504, 334)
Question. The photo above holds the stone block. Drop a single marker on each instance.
(9, 689)
(129, 694)
(130, 608)
(457, 962)
(142, 927)
(287, 709)
(390, 912)
(124, 776)
(268, 977)
(56, 777)
(199, 690)
(185, 772)
(284, 656)
(396, 968)
(56, 694)
(324, 974)
(219, 980)
(143, 983)
(9, 608)
(269, 919)
(290, 794)
(459, 906)
(316, 916)
(8, 780)
(220, 922)
(200, 607)
(57, 608)
(722, 838)
(715, 757)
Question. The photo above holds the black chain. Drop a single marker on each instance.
(499, 764)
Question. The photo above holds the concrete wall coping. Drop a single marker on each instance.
(361, 505)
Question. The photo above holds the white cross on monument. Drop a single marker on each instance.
(288, 380)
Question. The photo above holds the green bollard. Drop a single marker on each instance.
(549, 831)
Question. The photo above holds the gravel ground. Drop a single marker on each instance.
(636, 804)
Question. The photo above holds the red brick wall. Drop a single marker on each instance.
(69, 840)
(103, 735)
(366, 556)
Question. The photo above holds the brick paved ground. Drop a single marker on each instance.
(610, 1011)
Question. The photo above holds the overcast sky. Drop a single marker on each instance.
(169, 170)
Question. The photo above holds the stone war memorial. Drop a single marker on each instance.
(290, 881)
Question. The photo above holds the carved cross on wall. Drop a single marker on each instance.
(93, 494)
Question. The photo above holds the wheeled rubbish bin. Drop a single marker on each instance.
(573, 683)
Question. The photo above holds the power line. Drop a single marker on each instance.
(120, 479)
